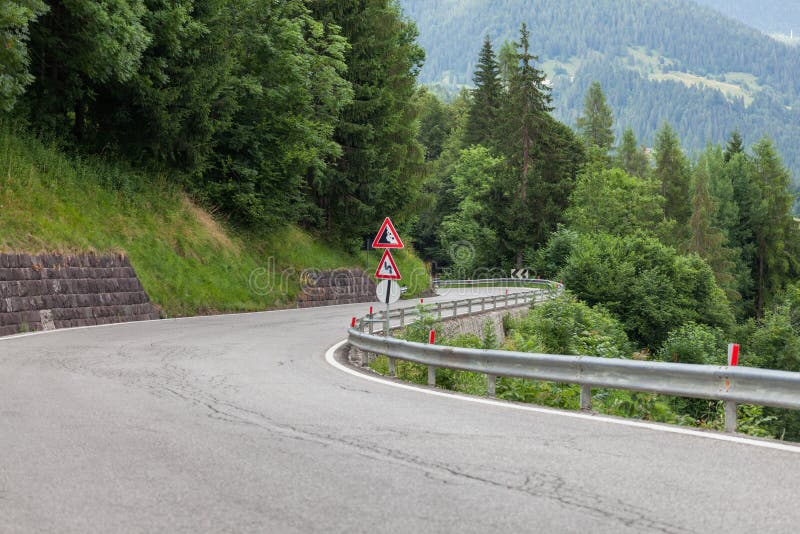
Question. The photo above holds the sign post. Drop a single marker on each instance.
(387, 271)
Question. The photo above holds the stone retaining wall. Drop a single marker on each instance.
(52, 291)
(340, 286)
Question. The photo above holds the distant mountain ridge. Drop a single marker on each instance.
(657, 60)
(769, 16)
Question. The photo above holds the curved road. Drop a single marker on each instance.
(238, 424)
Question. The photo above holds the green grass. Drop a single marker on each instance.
(188, 261)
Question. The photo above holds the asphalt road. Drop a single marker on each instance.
(238, 424)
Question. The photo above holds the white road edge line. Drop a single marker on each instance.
(330, 357)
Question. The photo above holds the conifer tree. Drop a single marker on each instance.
(734, 146)
(774, 229)
(524, 118)
(486, 98)
(672, 172)
(631, 158)
(707, 240)
(381, 163)
(595, 125)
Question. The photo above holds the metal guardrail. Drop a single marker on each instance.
(733, 385)
(450, 309)
(488, 282)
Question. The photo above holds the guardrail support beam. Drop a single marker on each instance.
(730, 416)
(586, 397)
(491, 385)
(392, 367)
(431, 375)
(402, 317)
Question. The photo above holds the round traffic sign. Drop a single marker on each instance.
(390, 287)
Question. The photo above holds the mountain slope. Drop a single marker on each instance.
(769, 16)
(657, 60)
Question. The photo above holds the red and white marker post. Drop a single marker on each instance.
(733, 354)
(432, 337)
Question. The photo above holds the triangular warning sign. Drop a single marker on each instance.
(387, 268)
(387, 236)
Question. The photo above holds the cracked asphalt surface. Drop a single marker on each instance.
(237, 424)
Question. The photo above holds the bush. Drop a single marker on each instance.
(648, 285)
(694, 343)
(565, 325)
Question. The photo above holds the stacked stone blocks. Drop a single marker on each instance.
(49, 291)
(340, 286)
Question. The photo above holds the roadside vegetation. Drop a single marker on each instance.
(189, 261)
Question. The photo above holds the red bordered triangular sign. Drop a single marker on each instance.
(387, 236)
(387, 268)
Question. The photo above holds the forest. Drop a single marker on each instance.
(658, 61)
(769, 16)
(309, 114)
(664, 256)
(271, 113)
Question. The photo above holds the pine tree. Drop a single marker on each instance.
(524, 113)
(631, 158)
(707, 240)
(486, 98)
(734, 146)
(672, 172)
(774, 229)
(595, 125)
(381, 163)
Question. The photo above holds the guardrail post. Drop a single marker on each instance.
(586, 397)
(371, 325)
(483, 304)
(392, 367)
(491, 385)
(438, 310)
(402, 317)
(516, 299)
(431, 375)
(455, 308)
(469, 306)
(730, 416)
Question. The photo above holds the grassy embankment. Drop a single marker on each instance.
(188, 261)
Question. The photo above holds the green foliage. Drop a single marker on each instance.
(672, 173)
(436, 122)
(564, 325)
(694, 343)
(631, 157)
(15, 19)
(629, 204)
(288, 103)
(381, 167)
(470, 243)
(648, 285)
(188, 261)
(644, 53)
(484, 110)
(82, 46)
(595, 125)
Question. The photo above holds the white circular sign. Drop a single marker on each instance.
(390, 286)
